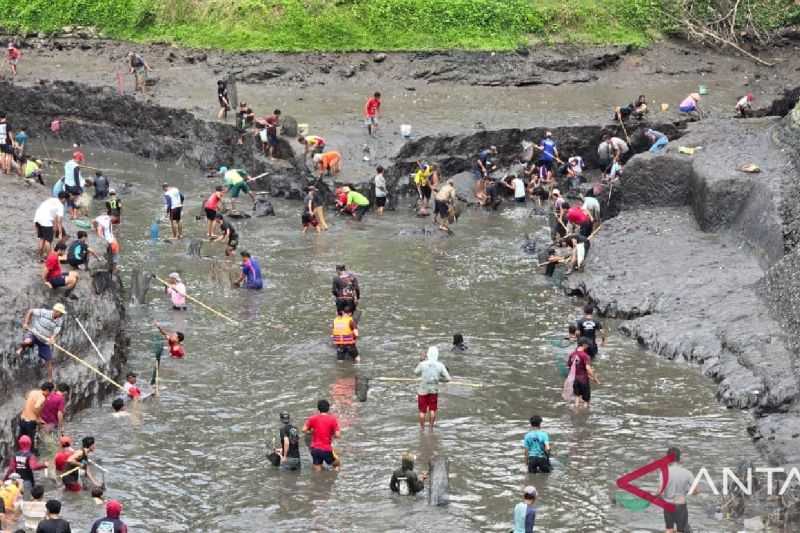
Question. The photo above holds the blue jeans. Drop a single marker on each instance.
(659, 145)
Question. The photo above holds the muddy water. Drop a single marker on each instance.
(197, 463)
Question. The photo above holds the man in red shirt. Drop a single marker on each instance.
(52, 275)
(371, 110)
(583, 373)
(70, 481)
(272, 122)
(53, 409)
(323, 427)
(581, 217)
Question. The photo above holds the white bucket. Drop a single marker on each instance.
(302, 129)
(405, 130)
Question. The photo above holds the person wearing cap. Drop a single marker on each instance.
(235, 181)
(690, 104)
(53, 523)
(443, 202)
(139, 68)
(744, 105)
(658, 140)
(525, 512)
(290, 444)
(12, 58)
(111, 523)
(79, 251)
(114, 206)
(228, 234)
(60, 462)
(176, 291)
(549, 149)
(54, 407)
(41, 327)
(24, 462)
(173, 202)
(357, 203)
(74, 182)
(102, 187)
(211, 206)
(307, 217)
(250, 277)
(404, 480)
(431, 372)
(49, 222)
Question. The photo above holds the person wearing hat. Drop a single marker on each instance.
(690, 104)
(24, 462)
(173, 201)
(42, 326)
(327, 162)
(74, 182)
(176, 291)
(114, 206)
(744, 105)
(111, 523)
(289, 452)
(60, 461)
(12, 58)
(404, 480)
(525, 512)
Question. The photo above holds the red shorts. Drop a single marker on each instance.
(427, 402)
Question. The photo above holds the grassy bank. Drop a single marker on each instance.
(347, 25)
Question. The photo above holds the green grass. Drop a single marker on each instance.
(350, 25)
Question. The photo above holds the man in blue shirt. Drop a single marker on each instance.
(549, 151)
(537, 447)
(251, 273)
(525, 512)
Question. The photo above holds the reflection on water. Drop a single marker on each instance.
(198, 462)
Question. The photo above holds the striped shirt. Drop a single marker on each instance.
(44, 324)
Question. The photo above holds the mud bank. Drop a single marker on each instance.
(100, 308)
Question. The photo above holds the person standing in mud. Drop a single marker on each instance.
(346, 290)
(371, 111)
(6, 146)
(12, 58)
(548, 147)
(584, 373)
(324, 427)
(173, 203)
(139, 68)
(224, 100)
(431, 372)
(588, 328)
(380, 190)
(272, 123)
(444, 202)
(678, 484)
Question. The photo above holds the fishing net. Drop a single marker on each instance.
(362, 388)
(233, 93)
(560, 351)
(631, 502)
(102, 281)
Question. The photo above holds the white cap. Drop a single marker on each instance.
(175, 275)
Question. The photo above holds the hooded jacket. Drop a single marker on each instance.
(23, 462)
(431, 372)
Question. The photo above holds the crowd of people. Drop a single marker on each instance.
(576, 216)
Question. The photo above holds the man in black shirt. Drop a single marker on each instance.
(228, 233)
(290, 444)
(589, 327)
(53, 523)
(345, 290)
(404, 480)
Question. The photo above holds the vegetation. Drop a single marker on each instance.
(345, 25)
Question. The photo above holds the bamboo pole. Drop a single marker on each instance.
(90, 340)
(201, 304)
(68, 472)
(382, 378)
(81, 361)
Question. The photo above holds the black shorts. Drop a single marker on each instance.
(272, 138)
(347, 305)
(380, 201)
(425, 191)
(58, 281)
(520, 200)
(345, 351)
(678, 519)
(584, 390)
(75, 263)
(74, 190)
(321, 456)
(45, 233)
(441, 208)
(539, 464)
(586, 228)
(6, 148)
(175, 214)
(211, 214)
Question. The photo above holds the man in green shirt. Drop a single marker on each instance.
(355, 198)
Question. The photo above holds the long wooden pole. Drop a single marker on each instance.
(81, 361)
(201, 304)
(619, 118)
(90, 340)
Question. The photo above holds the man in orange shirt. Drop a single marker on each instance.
(328, 162)
(371, 111)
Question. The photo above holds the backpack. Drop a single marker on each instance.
(402, 486)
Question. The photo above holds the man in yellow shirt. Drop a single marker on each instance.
(421, 180)
(313, 144)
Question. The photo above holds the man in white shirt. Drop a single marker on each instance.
(48, 222)
(173, 200)
(102, 225)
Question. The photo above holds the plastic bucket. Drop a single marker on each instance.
(302, 129)
(702, 90)
(405, 130)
